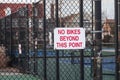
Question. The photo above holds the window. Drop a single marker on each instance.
(15, 23)
(21, 12)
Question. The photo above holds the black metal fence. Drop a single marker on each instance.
(26, 31)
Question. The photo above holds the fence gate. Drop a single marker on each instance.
(26, 34)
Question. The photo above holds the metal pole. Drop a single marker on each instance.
(44, 27)
(82, 52)
(19, 44)
(116, 40)
(92, 55)
(1, 31)
(98, 41)
(10, 35)
(34, 39)
(5, 33)
(57, 52)
(11, 39)
(27, 41)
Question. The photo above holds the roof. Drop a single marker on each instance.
(14, 7)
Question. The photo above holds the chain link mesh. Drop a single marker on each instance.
(26, 34)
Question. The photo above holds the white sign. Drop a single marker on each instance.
(69, 38)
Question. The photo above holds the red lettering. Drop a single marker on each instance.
(75, 44)
(62, 31)
(61, 44)
(75, 31)
(69, 38)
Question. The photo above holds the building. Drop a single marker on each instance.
(24, 22)
(16, 24)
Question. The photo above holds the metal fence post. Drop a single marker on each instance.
(27, 35)
(5, 32)
(92, 65)
(44, 27)
(98, 41)
(116, 40)
(34, 39)
(10, 35)
(19, 45)
(57, 52)
(82, 52)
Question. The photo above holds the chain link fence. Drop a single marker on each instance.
(27, 29)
